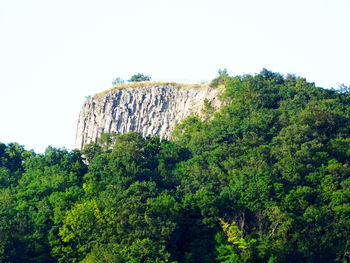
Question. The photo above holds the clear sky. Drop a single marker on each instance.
(53, 53)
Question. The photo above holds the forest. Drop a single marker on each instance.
(265, 179)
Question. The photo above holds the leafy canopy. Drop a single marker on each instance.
(139, 77)
(265, 179)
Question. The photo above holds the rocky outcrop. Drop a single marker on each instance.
(149, 108)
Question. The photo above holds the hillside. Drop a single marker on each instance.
(264, 179)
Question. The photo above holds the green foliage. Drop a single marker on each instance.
(221, 79)
(265, 179)
(139, 77)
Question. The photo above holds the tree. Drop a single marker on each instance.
(139, 77)
(117, 81)
(221, 79)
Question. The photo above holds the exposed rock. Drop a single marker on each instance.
(149, 108)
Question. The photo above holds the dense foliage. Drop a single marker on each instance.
(265, 179)
(139, 77)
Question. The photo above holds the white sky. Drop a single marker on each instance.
(53, 53)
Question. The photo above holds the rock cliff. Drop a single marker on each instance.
(149, 108)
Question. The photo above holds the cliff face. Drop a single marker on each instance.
(151, 109)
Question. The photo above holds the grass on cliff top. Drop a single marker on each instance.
(146, 84)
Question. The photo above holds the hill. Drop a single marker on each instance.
(264, 179)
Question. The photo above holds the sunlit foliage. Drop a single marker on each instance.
(265, 179)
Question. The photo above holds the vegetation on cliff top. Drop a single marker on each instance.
(146, 84)
(266, 180)
(139, 77)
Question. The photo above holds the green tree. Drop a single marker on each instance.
(139, 77)
(221, 79)
(117, 81)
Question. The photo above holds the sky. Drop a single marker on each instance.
(54, 53)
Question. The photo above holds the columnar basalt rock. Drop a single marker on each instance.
(151, 109)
